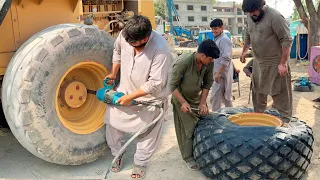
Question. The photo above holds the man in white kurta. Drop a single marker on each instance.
(144, 60)
(221, 92)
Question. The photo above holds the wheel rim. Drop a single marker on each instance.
(78, 111)
(255, 119)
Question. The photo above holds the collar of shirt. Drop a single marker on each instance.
(150, 38)
(218, 37)
(194, 61)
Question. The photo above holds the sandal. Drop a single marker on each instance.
(116, 167)
(192, 165)
(138, 172)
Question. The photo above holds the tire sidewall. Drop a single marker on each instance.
(79, 43)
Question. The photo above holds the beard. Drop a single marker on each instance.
(258, 18)
(141, 45)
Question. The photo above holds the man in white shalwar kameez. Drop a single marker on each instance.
(144, 60)
(221, 92)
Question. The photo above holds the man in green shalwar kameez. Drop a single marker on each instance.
(191, 80)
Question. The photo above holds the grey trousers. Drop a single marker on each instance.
(218, 98)
(281, 102)
(146, 144)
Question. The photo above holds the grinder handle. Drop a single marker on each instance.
(118, 95)
(106, 85)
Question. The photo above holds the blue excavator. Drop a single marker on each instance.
(190, 34)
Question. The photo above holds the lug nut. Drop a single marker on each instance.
(71, 97)
(80, 98)
(77, 87)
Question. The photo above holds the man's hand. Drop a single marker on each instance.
(185, 107)
(112, 77)
(203, 109)
(218, 77)
(283, 69)
(125, 100)
(236, 70)
(243, 57)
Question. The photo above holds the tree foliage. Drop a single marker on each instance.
(160, 8)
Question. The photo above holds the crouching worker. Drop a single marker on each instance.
(145, 61)
(191, 80)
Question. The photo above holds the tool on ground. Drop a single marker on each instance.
(110, 96)
(305, 82)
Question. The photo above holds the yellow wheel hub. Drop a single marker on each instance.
(74, 94)
(255, 119)
(78, 111)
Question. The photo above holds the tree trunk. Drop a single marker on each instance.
(314, 32)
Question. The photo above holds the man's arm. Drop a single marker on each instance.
(285, 55)
(226, 55)
(158, 77)
(247, 42)
(177, 73)
(206, 86)
(116, 59)
(159, 73)
(281, 28)
(204, 96)
(208, 78)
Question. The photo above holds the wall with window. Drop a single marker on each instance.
(200, 13)
(194, 14)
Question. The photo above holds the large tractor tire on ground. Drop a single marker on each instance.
(225, 150)
(45, 97)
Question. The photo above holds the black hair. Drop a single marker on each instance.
(137, 28)
(216, 23)
(209, 48)
(252, 5)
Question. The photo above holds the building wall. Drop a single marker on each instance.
(232, 15)
(197, 13)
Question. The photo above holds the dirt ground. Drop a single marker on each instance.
(166, 163)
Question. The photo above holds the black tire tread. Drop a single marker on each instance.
(228, 151)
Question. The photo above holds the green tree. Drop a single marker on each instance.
(295, 14)
(160, 8)
(310, 16)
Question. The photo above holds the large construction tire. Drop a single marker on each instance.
(45, 98)
(225, 150)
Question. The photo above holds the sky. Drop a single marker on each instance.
(285, 7)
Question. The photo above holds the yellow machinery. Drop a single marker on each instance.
(51, 52)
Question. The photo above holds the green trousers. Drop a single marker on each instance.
(184, 126)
